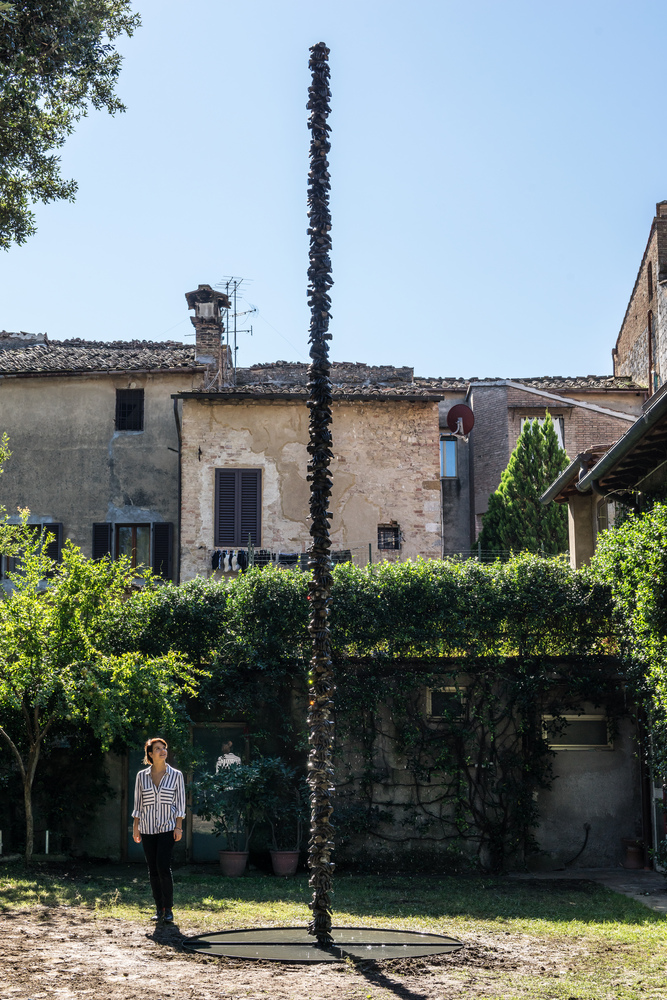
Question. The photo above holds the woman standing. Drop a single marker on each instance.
(159, 811)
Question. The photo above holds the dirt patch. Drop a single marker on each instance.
(67, 953)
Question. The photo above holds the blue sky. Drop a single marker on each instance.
(495, 168)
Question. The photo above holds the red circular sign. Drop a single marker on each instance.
(460, 419)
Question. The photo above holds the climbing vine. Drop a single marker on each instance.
(500, 645)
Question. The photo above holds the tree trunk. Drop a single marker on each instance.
(28, 779)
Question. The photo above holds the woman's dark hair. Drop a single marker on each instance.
(148, 746)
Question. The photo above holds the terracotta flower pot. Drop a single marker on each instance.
(284, 862)
(233, 863)
(634, 854)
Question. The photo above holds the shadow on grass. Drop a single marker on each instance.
(418, 898)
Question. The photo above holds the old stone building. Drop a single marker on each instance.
(587, 411)
(244, 467)
(94, 444)
(641, 345)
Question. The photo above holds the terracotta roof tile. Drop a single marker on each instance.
(79, 356)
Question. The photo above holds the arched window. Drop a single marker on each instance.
(649, 279)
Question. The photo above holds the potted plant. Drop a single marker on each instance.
(235, 799)
(286, 813)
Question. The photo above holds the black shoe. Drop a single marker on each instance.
(168, 917)
(158, 916)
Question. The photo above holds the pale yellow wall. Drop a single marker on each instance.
(68, 462)
(386, 468)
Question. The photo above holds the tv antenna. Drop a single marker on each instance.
(234, 289)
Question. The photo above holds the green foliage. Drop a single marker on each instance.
(56, 59)
(631, 561)
(52, 670)
(238, 797)
(516, 520)
(13, 537)
(518, 638)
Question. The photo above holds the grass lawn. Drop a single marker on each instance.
(538, 940)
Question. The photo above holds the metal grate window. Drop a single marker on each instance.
(445, 703)
(129, 409)
(389, 536)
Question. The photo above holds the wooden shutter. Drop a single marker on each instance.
(238, 507)
(225, 507)
(163, 543)
(250, 506)
(54, 540)
(101, 540)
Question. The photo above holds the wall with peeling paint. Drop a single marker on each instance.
(68, 462)
(386, 468)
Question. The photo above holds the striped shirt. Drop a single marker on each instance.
(158, 808)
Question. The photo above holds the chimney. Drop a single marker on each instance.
(209, 328)
(661, 209)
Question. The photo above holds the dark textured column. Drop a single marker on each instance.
(320, 724)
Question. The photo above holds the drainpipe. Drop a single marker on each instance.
(178, 526)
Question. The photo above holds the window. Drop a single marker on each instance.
(129, 409)
(134, 540)
(448, 465)
(444, 702)
(53, 537)
(138, 541)
(577, 732)
(559, 427)
(238, 507)
(649, 279)
(389, 536)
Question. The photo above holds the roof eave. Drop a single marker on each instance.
(653, 415)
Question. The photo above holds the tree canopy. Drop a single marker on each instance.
(516, 520)
(57, 58)
(53, 673)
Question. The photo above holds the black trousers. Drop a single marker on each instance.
(158, 848)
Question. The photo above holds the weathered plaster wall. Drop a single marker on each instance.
(600, 787)
(386, 468)
(69, 464)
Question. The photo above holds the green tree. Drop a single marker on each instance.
(12, 536)
(52, 670)
(56, 60)
(515, 519)
(632, 561)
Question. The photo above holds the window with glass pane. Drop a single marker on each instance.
(559, 427)
(448, 458)
(134, 541)
(577, 732)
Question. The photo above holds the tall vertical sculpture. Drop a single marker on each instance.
(320, 724)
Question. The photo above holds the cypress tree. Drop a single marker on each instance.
(515, 519)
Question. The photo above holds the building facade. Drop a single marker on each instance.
(94, 442)
(641, 346)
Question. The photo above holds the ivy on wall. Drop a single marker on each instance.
(515, 640)
(631, 561)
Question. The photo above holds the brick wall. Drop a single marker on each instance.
(347, 373)
(582, 428)
(632, 347)
(490, 443)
